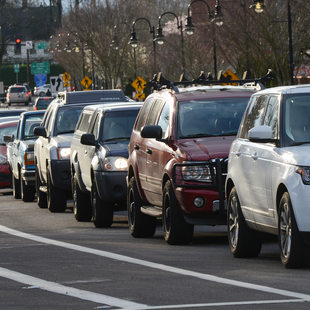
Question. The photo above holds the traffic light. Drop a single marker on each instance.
(18, 43)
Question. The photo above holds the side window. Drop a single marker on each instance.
(84, 122)
(18, 134)
(155, 108)
(272, 115)
(95, 130)
(164, 120)
(254, 115)
(143, 112)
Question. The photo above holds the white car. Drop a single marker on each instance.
(42, 90)
(268, 179)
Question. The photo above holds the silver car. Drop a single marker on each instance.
(17, 94)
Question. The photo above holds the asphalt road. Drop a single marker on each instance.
(50, 261)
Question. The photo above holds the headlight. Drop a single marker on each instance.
(115, 164)
(201, 173)
(28, 158)
(63, 153)
(305, 174)
(3, 159)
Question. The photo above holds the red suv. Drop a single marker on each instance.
(178, 159)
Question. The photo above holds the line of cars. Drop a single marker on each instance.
(186, 154)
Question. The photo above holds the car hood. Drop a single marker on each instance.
(117, 149)
(206, 148)
(63, 140)
(295, 155)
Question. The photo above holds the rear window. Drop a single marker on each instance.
(42, 103)
(17, 90)
(210, 117)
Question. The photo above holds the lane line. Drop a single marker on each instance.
(136, 261)
(220, 304)
(55, 287)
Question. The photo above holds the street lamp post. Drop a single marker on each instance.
(214, 16)
(134, 41)
(259, 6)
(160, 37)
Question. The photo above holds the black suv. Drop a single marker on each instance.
(99, 153)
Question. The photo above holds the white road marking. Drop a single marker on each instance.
(184, 272)
(67, 290)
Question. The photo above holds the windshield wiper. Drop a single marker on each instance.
(198, 135)
(118, 138)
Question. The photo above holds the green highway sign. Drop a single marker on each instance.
(42, 45)
(40, 67)
(16, 68)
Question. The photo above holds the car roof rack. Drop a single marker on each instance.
(158, 82)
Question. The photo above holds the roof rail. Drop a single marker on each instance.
(159, 82)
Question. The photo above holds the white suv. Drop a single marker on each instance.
(268, 180)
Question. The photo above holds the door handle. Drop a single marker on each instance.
(254, 156)
(85, 151)
(149, 151)
(136, 147)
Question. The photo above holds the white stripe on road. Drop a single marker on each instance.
(127, 259)
(67, 290)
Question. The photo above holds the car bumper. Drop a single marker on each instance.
(112, 186)
(61, 174)
(28, 176)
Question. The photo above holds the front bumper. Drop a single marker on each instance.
(28, 176)
(61, 174)
(112, 186)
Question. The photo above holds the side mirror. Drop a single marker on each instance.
(152, 131)
(261, 134)
(8, 138)
(88, 139)
(40, 131)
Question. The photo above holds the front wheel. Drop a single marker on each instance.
(140, 225)
(176, 230)
(56, 198)
(41, 196)
(102, 211)
(27, 192)
(293, 251)
(243, 241)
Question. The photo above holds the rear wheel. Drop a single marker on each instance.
(102, 211)
(243, 241)
(140, 225)
(16, 186)
(294, 252)
(41, 196)
(176, 230)
(56, 198)
(27, 192)
(81, 203)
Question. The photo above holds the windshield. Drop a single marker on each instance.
(7, 131)
(118, 125)
(66, 120)
(297, 119)
(210, 117)
(30, 123)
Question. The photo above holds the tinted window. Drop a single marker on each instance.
(118, 125)
(84, 122)
(164, 120)
(210, 117)
(272, 116)
(42, 103)
(254, 115)
(155, 108)
(17, 90)
(142, 115)
(66, 120)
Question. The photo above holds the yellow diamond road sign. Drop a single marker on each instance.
(138, 84)
(140, 95)
(86, 82)
(66, 77)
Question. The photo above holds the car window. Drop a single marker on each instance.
(164, 120)
(95, 130)
(272, 116)
(118, 125)
(66, 120)
(297, 115)
(18, 131)
(29, 124)
(42, 103)
(254, 114)
(142, 115)
(210, 117)
(84, 122)
(154, 110)
(17, 90)
(10, 130)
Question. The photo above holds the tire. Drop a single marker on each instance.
(293, 251)
(243, 241)
(56, 198)
(41, 196)
(140, 225)
(16, 186)
(176, 230)
(81, 203)
(27, 192)
(102, 212)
